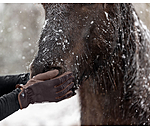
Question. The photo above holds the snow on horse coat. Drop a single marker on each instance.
(106, 47)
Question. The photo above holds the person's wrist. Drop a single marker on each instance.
(20, 86)
(25, 97)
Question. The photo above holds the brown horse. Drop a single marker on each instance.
(106, 47)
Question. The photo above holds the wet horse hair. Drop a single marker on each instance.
(106, 46)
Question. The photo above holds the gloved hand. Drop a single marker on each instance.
(45, 88)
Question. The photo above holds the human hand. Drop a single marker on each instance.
(45, 88)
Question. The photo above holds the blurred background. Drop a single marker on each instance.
(20, 28)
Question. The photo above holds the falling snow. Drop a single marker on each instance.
(62, 41)
(24, 27)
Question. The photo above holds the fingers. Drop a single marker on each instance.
(47, 75)
(65, 96)
(64, 77)
(65, 90)
(64, 85)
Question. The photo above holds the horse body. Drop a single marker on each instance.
(107, 49)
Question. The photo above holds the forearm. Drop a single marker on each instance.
(8, 83)
(9, 103)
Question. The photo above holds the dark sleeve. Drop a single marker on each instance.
(9, 103)
(8, 83)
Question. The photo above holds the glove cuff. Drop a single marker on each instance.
(25, 97)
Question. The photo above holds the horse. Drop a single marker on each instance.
(106, 46)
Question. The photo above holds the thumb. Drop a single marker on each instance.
(47, 75)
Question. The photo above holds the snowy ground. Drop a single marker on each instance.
(20, 26)
(63, 113)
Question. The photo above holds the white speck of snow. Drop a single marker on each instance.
(66, 41)
(23, 57)
(146, 55)
(144, 26)
(32, 51)
(123, 56)
(60, 30)
(44, 39)
(64, 47)
(1, 31)
(92, 22)
(106, 15)
(136, 19)
(56, 39)
(24, 27)
(45, 23)
(58, 43)
(136, 23)
(104, 30)
(45, 50)
(88, 36)
(142, 103)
